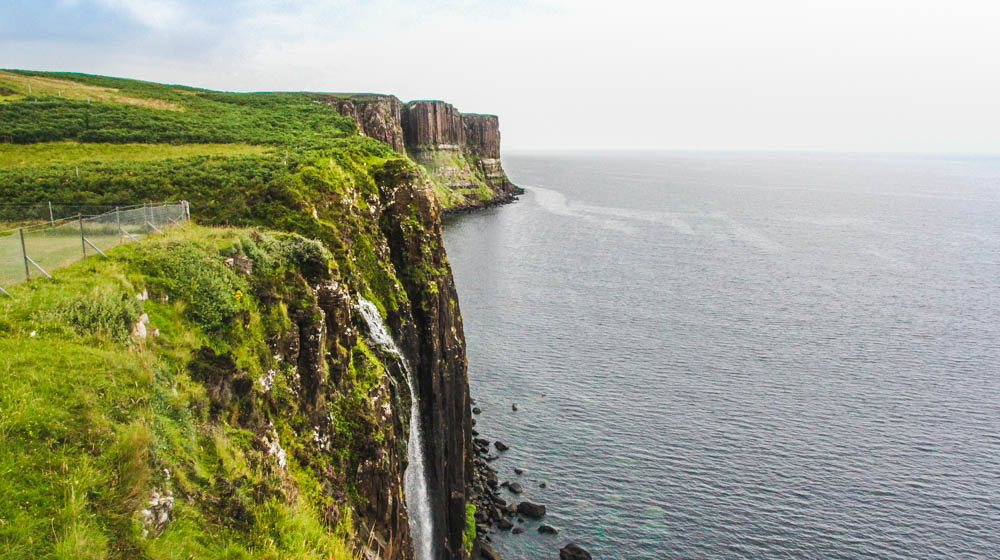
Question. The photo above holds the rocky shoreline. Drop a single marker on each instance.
(500, 200)
(494, 514)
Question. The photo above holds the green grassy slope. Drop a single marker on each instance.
(94, 420)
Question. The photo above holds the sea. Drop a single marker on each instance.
(741, 355)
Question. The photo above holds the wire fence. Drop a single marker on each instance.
(35, 251)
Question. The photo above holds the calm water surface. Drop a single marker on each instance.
(743, 356)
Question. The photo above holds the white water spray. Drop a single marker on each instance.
(415, 478)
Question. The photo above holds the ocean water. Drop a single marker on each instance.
(742, 355)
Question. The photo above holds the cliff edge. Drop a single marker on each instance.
(459, 151)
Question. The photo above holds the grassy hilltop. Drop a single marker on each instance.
(97, 423)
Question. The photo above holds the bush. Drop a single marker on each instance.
(187, 272)
(104, 311)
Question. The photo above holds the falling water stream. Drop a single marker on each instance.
(415, 479)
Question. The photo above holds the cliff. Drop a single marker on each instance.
(459, 151)
(263, 420)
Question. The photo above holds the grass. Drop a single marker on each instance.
(18, 86)
(65, 153)
(55, 247)
(93, 421)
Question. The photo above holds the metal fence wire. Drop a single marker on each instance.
(35, 251)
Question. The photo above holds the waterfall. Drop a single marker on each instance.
(415, 478)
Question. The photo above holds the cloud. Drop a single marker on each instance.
(792, 74)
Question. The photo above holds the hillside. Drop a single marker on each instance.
(262, 351)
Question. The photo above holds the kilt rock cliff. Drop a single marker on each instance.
(305, 344)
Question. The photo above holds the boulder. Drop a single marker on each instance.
(547, 529)
(573, 552)
(532, 510)
(501, 446)
(486, 552)
(477, 410)
(514, 407)
(515, 487)
(518, 471)
(504, 524)
(517, 531)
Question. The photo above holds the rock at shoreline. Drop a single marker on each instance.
(547, 530)
(542, 485)
(532, 510)
(486, 552)
(573, 552)
(501, 446)
(477, 410)
(517, 531)
(518, 471)
(515, 487)
(514, 407)
(504, 524)
(481, 442)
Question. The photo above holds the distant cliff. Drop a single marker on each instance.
(459, 151)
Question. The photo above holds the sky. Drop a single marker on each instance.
(798, 75)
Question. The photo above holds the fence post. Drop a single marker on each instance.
(52, 220)
(24, 253)
(83, 241)
(118, 220)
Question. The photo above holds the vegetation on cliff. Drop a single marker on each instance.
(277, 431)
(103, 429)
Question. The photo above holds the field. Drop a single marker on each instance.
(69, 152)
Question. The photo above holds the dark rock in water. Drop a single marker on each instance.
(473, 421)
(515, 488)
(504, 524)
(573, 552)
(477, 410)
(542, 485)
(473, 401)
(517, 531)
(504, 484)
(520, 520)
(528, 509)
(475, 433)
(491, 457)
(547, 530)
(518, 471)
(514, 407)
(482, 442)
(500, 501)
(486, 552)
(510, 508)
(501, 446)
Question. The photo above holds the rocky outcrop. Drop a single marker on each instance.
(459, 151)
(378, 116)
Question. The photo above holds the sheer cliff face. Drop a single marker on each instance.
(434, 338)
(378, 116)
(460, 152)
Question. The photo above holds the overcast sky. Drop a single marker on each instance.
(845, 75)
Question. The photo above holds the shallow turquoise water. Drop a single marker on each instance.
(743, 355)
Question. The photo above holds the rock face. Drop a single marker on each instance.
(435, 341)
(378, 116)
(433, 124)
(459, 151)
